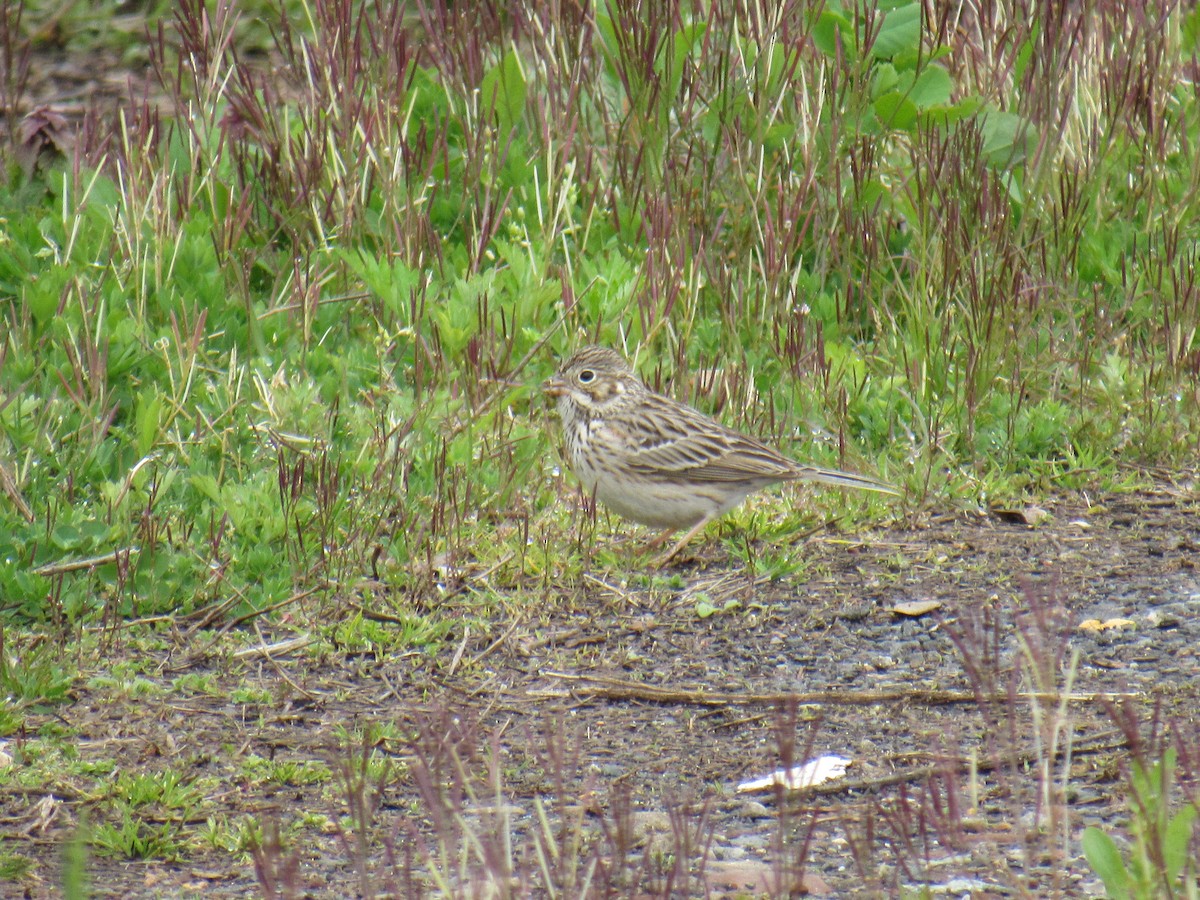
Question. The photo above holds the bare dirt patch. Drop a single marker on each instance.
(661, 713)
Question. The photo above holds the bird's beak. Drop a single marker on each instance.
(554, 386)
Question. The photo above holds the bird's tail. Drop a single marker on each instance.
(843, 479)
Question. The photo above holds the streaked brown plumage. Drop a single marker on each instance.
(658, 462)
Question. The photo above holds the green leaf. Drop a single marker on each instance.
(669, 66)
(609, 45)
(93, 532)
(885, 79)
(683, 44)
(147, 419)
(781, 62)
(1177, 840)
(1006, 137)
(1012, 184)
(899, 33)
(932, 88)
(207, 486)
(1147, 785)
(503, 91)
(392, 281)
(66, 537)
(829, 31)
(41, 300)
(1190, 32)
(896, 111)
(1105, 860)
(946, 116)
(1025, 53)
(777, 136)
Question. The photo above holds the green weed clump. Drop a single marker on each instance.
(1160, 862)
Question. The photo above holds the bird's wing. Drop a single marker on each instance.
(668, 439)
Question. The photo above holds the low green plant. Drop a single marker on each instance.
(14, 867)
(35, 671)
(1159, 861)
(196, 683)
(219, 833)
(251, 696)
(125, 688)
(169, 789)
(259, 770)
(135, 837)
(706, 608)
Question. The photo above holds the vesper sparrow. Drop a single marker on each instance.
(659, 462)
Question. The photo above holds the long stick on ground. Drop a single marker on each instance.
(600, 687)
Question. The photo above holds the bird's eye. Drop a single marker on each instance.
(586, 376)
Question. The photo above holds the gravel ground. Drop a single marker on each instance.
(630, 717)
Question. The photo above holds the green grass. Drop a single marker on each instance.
(252, 364)
(280, 357)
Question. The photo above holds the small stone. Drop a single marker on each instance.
(752, 809)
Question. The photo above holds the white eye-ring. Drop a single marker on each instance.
(586, 376)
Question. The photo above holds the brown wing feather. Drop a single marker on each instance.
(674, 439)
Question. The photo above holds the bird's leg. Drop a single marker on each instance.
(682, 542)
(661, 538)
